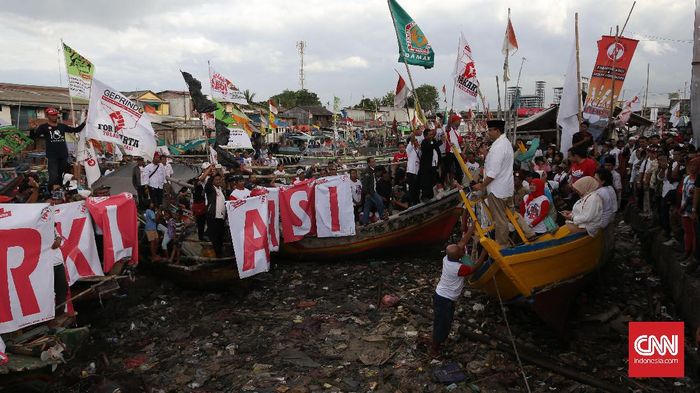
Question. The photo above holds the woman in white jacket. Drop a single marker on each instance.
(588, 211)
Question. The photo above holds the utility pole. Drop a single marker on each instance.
(695, 81)
(301, 46)
(646, 93)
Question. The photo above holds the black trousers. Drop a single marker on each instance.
(201, 223)
(156, 195)
(56, 168)
(450, 165)
(216, 232)
(60, 286)
(443, 314)
(413, 188)
(426, 180)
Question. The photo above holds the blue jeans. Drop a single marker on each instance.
(372, 200)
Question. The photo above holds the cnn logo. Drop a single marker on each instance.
(647, 345)
(656, 349)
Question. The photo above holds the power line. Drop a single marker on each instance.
(647, 37)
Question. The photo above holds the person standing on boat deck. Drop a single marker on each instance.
(448, 290)
(450, 166)
(412, 164)
(155, 172)
(498, 181)
(427, 164)
(136, 182)
(56, 148)
(216, 210)
(369, 190)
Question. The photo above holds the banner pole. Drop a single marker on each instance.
(454, 77)
(578, 71)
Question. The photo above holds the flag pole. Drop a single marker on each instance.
(517, 95)
(403, 57)
(454, 77)
(612, 77)
(76, 166)
(498, 94)
(578, 71)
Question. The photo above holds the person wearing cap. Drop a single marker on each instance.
(156, 173)
(56, 149)
(136, 182)
(498, 181)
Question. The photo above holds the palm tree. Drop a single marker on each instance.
(249, 96)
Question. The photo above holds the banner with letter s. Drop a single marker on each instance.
(26, 267)
(334, 209)
(248, 221)
(297, 211)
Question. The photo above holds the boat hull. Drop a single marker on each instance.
(419, 229)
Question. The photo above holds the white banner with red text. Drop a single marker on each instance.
(297, 211)
(334, 209)
(26, 267)
(273, 207)
(79, 249)
(248, 221)
(116, 216)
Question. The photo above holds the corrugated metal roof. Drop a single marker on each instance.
(39, 96)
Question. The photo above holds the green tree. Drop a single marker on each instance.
(388, 99)
(428, 97)
(289, 99)
(249, 96)
(367, 104)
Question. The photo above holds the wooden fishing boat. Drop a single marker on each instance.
(546, 274)
(418, 228)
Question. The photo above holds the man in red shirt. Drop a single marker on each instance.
(581, 165)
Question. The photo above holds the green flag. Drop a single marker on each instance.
(80, 72)
(414, 47)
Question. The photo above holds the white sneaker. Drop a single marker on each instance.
(671, 242)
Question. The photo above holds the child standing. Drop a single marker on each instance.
(151, 229)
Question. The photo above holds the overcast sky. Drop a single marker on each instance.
(351, 45)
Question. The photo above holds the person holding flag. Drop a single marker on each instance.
(56, 149)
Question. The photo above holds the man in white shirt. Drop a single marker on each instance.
(498, 181)
(155, 174)
(356, 190)
(413, 152)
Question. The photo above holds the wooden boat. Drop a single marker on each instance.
(418, 228)
(546, 274)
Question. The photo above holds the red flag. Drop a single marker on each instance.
(509, 41)
(401, 94)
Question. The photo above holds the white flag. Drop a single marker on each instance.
(224, 90)
(567, 117)
(675, 114)
(465, 75)
(114, 118)
(213, 156)
(85, 154)
(401, 93)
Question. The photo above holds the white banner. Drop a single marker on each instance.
(224, 90)
(85, 153)
(334, 208)
(466, 83)
(114, 118)
(273, 225)
(238, 139)
(26, 267)
(248, 221)
(74, 225)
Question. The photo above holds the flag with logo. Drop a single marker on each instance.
(80, 71)
(114, 118)
(675, 114)
(85, 154)
(414, 47)
(224, 90)
(510, 43)
(401, 93)
(465, 75)
(419, 113)
(273, 112)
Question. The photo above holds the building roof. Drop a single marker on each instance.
(174, 92)
(37, 96)
(137, 94)
(547, 120)
(314, 110)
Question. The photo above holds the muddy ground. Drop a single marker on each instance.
(320, 327)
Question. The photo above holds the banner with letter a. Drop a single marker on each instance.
(26, 268)
(613, 60)
(116, 119)
(248, 221)
(273, 225)
(334, 213)
(116, 216)
(74, 225)
(297, 212)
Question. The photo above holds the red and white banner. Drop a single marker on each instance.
(273, 224)
(223, 89)
(115, 216)
(248, 222)
(74, 225)
(401, 93)
(297, 211)
(466, 83)
(26, 268)
(334, 208)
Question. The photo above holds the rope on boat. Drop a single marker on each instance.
(510, 335)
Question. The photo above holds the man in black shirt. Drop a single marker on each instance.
(583, 138)
(56, 149)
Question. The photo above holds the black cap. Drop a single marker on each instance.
(496, 123)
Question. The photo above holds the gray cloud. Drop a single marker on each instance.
(352, 48)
